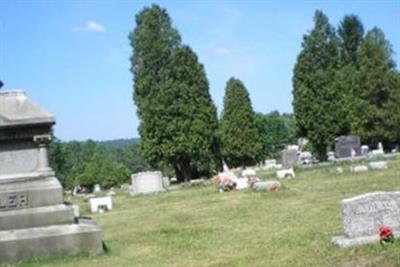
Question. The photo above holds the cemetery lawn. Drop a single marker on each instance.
(201, 227)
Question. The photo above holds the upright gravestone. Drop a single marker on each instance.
(34, 221)
(345, 144)
(363, 215)
(289, 158)
(147, 182)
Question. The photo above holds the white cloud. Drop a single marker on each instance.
(90, 26)
(223, 51)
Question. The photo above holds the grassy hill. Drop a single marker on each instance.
(201, 227)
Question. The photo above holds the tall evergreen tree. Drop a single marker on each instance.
(351, 32)
(317, 105)
(178, 118)
(378, 88)
(187, 128)
(238, 132)
(154, 41)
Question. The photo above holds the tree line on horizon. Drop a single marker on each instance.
(111, 163)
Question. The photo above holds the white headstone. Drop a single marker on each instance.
(242, 183)
(359, 168)
(285, 173)
(248, 172)
(96, 188)
(147, 182)
(98, 203)
(378, 165)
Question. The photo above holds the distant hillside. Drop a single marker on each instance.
(119, 143)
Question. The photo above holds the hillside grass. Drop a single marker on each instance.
(201, 227)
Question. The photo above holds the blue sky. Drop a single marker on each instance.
(73, 56)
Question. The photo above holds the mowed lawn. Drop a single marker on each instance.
(201, 227)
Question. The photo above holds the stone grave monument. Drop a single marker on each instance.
(363, 215)
(289, 158)
(34, 221)
(147, 182)
(345, 144)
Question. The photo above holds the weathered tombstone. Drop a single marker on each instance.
(289, 158)
(267, 186)
(378, 165)
(97, 188)
(197, 182)
(331, 155)
(379, 151)
(166, 182)
(364, 149)
(242, 183)
(305, 157)
(98, 203)
(345, 144)
(358, 169)
(269, 164)
(363, 215)
(285, 173)
(34, 221)
(147, 182)
(248, 172)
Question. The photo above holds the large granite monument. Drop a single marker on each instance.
(363, 215)
(34, 221)
(345, 144)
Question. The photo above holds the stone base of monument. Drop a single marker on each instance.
(344, 241)
(54, 240)
(35, 223)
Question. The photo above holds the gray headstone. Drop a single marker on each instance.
(289, 158)
(344, 145)
(34, 221)
(362, 216)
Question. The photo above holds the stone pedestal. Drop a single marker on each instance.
(34, 221)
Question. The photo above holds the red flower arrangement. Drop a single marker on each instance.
(273, 188)
(386, 234)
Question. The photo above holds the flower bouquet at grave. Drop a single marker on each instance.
(386, 235)
(227, 184)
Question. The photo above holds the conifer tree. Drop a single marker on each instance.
(377, 91)
(178, 118)
(238, 132)
(187, 127)
(317, 105)
(351, 32)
